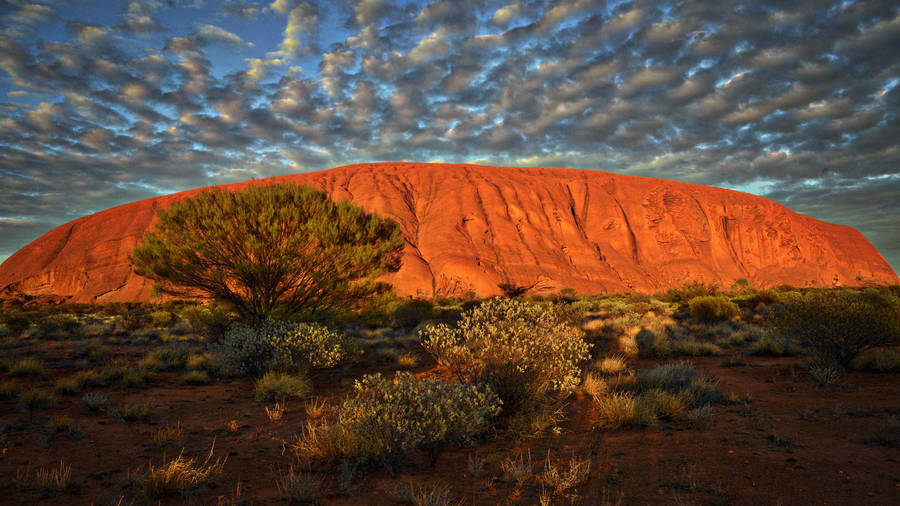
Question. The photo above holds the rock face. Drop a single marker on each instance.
(473, 228)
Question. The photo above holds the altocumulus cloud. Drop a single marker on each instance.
(105, 103)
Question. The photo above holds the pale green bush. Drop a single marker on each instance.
(282, 346)
(712, 308)
(386, 418)
(523, 351)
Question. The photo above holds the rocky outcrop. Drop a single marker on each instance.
(473, 228)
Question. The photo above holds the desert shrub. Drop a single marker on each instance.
(824, 373)
(91, 351)
(884, 360)
(94, 401)
(16, 321)
(523, 351)
(688, 292)
(165, 358)
(131, 412)
(161, 318)
(275, 386)
(774, 346)
(712, 308)
(652, 344)
(694, 348)
(386, 418)
(52, 324)
(835, 326)
(411, 313)
(134, 319)
(282, 346)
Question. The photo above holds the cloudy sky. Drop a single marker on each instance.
(105, 102)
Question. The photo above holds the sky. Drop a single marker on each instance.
(105, 102)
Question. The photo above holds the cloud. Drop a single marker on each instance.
(796, 101)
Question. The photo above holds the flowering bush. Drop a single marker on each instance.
(524, 351)
(386, 418)
(282, 346)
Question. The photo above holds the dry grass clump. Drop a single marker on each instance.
(561, 478)
(28, 366)
(409, 492)
(407, 360)
(77, 382)
(519, 468)
(593, 385)
(64, 424)
(299, 488)
(35, 399)
(168, 434)
(196, 378)
(131, 412)
(50, 481)
(611, 365)
(280, 387)
(315, 408)
(275, 412)
(668, 392)
(181, 475)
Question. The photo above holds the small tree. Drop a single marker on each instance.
(269, 250)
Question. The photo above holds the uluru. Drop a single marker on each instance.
(471, 229)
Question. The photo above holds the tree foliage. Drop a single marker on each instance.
(269, 250)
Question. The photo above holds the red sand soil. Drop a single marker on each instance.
(796, 443)
(472, 228)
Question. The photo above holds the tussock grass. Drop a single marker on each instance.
(35, 399)
(518, 468)
(299, 488)
(409, 492)
(28, 366)
(279, 387)
(181, 475)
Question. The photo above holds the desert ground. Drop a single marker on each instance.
(125, 404)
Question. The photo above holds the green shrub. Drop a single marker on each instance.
(135, 319)
(688, 292)
(54, 323)
(885, 360)
(161, 318)
(91, 350)
(522, 350)
(775, 347)
(835, 326)
(282, 346)
(166, 358)
(694, 348)
(386, 418)
(275, 386)
(16, 321)
(712, 308)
